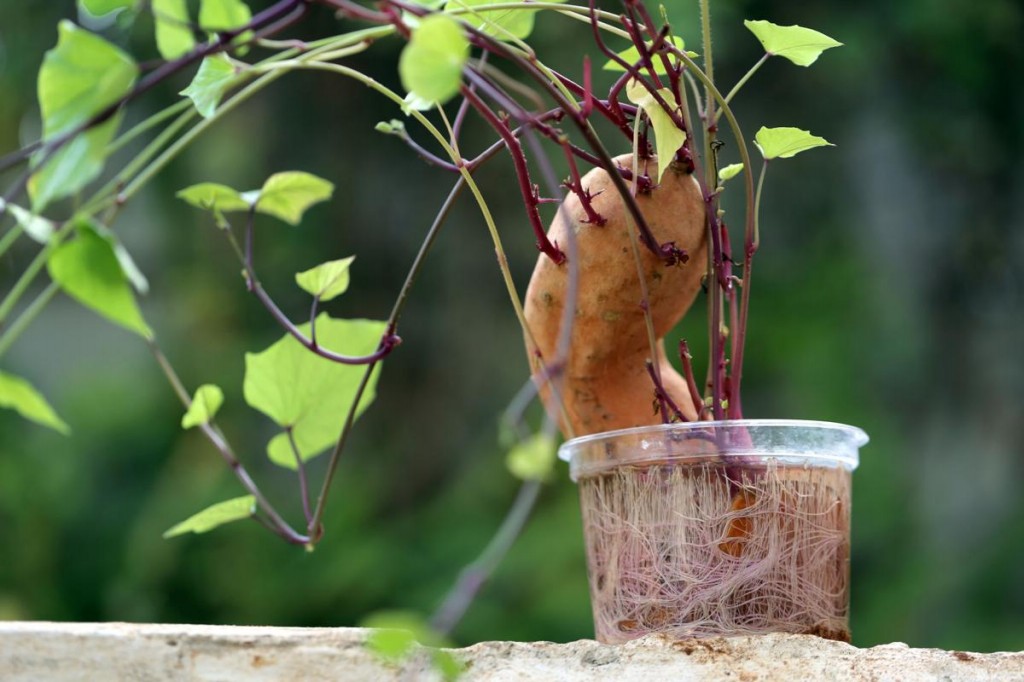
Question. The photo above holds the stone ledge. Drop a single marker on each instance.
(59, 652)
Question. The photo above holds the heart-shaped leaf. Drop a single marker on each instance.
(632, 56)
(533, 459)
(88, 269)
(730, 171)
(98, 8)
(36, 227)
(309, 394)
(223, 15)
(431, 64)
(216, 74)
(287, 195)
(783, 143)
(503, 24)
(235, 509)
(207, 400)
(800, 45)
(327, 280)
(668, 138)
(171, 25)
(79, 79)
(19, 395)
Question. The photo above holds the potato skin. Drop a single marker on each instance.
(605, 383)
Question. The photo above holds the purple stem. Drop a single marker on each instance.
(522, 171)
(665, 401)
(611, 109)
(300, 468)
(474, 576)
(353, 10)
(316, 526)
(691, 381)
(576, 185)
(388, 341)
(673, 71)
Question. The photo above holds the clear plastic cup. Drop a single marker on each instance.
(718, 528)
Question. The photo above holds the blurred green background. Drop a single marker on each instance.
(888, 295)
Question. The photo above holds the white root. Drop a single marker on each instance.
(677, 548)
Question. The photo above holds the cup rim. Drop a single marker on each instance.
(858, 438)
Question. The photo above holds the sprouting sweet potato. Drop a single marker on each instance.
(605, 382)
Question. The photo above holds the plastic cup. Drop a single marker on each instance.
(718, 528)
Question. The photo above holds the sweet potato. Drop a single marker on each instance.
(605, 381)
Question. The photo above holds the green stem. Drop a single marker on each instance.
(103, 197)
(442, 140)
(750, 247)
(734, 125)
(217, 438)
(148, 124)
(327, 45)
(709, 65)
(8, 239)
(314, 527)
(103, 200)
(26, 318)
(757, 207)
(176, 148)
(577, 12)
(30, 272)
(743, 81)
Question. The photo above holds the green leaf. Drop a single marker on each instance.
(307, 393)
(216, 74)
(223, 15)
(19, 395)
(412, 102)
(667, 137)
(730, 171)
(235, 509)
(394, 635)
(431, 64)
(98, 8)
(632, 56)
(800, 45)
(533, 459)
(207, 400)
(80, 78)
(447, 665)
(36, 227)
(128, 266)
(503, 24)
(211, 195)
(73, 167)
(391, 643)
(87, 268)
(782, 143)
(284, 195)
(287, 195)
(392, 127)
(172, 26)
(327, 280)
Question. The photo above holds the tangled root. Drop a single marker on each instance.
(699, 550)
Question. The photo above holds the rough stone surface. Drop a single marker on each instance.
(58, 652)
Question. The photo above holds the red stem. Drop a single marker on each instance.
(575, 184)
(665, 401)
(526, 187)
(691, 381)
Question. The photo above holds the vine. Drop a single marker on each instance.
(457, 55)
